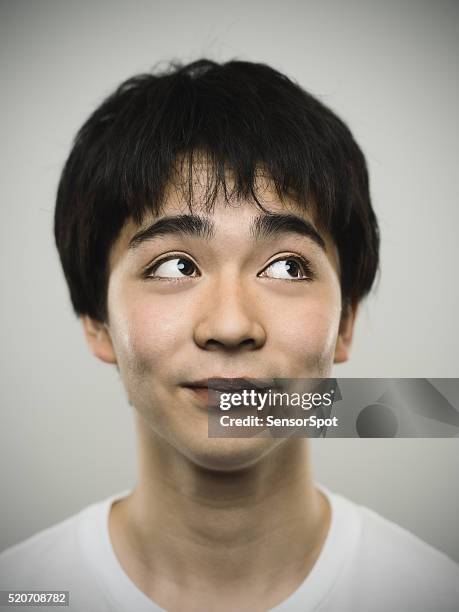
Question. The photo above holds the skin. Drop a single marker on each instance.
(218, 524)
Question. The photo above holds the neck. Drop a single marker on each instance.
(265, 521)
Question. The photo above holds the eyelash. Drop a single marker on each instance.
(304, 264)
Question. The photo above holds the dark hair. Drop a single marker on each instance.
(242, 116)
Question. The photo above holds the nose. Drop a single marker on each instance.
(229, 318)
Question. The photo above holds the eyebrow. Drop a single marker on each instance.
(262, 227)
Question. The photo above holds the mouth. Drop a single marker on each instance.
(208, 390)
(233, 385)
(200, 393)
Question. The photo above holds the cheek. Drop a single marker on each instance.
(146, 332)
(310, 329)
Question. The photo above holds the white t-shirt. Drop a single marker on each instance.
(367, 564)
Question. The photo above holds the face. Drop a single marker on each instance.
(224, 301)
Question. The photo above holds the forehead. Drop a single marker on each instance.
(230, 219)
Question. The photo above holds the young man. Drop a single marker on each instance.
(215, 221)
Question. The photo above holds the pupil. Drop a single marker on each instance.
(292, 266)
(183, 263)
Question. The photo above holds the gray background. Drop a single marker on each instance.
(389, 69)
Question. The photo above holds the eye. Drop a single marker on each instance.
(174, 267)
(289, 268)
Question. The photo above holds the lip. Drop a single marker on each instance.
(207, 390)
(210, 400)
(200, 392)
(234, 384)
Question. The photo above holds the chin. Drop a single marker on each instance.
(227, 455)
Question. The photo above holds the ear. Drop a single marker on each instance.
(346, 329)
(98, 339)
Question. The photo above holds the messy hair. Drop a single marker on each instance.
(240, 117)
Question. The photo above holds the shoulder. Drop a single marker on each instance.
(384, 541)
(394, 565)
(48, 558)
